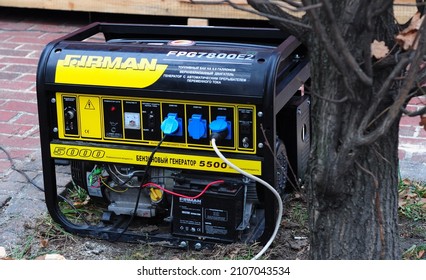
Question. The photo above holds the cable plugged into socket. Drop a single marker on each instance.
(221, 128)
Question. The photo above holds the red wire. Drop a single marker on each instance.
(182, 195)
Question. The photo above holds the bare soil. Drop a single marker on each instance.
(44, 237)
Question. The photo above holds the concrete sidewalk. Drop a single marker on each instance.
(23, 35)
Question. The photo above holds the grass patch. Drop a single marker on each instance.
(412, 200)
(79, 208)
(415, 252)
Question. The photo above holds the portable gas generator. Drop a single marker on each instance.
(175, 134)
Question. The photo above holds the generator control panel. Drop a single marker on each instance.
(134, 115)
(138, 120)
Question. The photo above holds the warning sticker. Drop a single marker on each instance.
(89, 105)
(90, 117)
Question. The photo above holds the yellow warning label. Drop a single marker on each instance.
(108, 71)
(90, 116)
(167, 160)
(89, 105)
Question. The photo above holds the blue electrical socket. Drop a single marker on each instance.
(172, 125)
(197, 127)
(220, 124)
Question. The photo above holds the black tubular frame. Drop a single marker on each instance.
(287, 70)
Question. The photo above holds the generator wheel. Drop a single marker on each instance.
(282, 166)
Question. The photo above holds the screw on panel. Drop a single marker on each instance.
(260, 114)
(183, 244)
(197, 246)
(55, 129)
(53, 100)
(260, 145)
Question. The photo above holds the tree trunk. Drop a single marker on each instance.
(356, 102)
(352, 215)
(352, 187)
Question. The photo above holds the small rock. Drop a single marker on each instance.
(2, 253)
(51, 257)
(298, 244)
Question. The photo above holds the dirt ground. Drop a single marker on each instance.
(44, 237)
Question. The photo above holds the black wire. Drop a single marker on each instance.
(12, 165)
(29, 180)
(144, 180)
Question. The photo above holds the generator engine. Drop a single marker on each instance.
(152, 119)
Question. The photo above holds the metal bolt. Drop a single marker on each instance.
(183, 244)
(299, 112)
(53, 100)
(55, 129)
(296, 57)
(197, 246)
(260, 114)
(260, 145)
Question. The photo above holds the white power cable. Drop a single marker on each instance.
(264, 183)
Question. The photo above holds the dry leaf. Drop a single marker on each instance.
(79, 204)
(406, 38)
(379, 49)
(420, 254)
(44, 243)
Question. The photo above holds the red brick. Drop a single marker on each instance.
(61, 30)
(401, 154)
(8, 75)
(422, 133)
(51, 36)
(15, 129)
(29, 119)
(23, 33)
(4, 167)
(19, 60)
(418, 100)
(413, 121)
(419, 157)
(407, 130)
(20, 106)
(19, 142)
(28, 78)
(17, 95)
(21, 68)
(30, 40)
(14, 53)
(16, 153)
(22, 25)
(31, 47)
(413, 141)
(4, 38)
(413, 107)
(6, 116)
(16, 85)
(8, 46)
(35, 54)
(32, 89)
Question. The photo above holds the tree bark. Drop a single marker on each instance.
(352, 189)
(352, 184)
